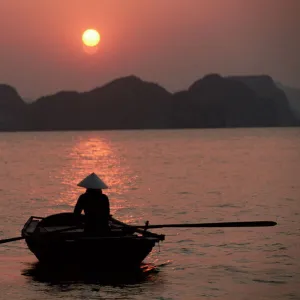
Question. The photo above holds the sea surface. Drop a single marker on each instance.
(165, 176)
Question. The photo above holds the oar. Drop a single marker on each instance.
(47, 233)
(220, 224)
(11, 239)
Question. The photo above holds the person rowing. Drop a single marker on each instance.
(94, 204)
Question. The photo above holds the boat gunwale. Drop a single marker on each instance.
(145, 234)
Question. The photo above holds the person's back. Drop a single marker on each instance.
(94, 204)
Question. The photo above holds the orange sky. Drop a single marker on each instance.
(172, 42)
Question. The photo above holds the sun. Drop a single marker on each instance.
(91, 37)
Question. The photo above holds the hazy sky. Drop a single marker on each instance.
(172, 42)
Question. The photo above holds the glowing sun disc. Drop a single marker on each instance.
(91, 37)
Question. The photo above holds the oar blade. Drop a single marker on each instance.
(11, 240)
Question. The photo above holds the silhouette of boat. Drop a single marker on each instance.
(60, 238)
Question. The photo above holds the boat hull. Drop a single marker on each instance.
(58, 239)
(104, 251)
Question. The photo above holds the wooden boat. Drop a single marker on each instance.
(60, 238)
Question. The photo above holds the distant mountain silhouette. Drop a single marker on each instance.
(123, 103)
(266, 88)
(215, 101)
(131, 103)
(293, 96)
(13, 110)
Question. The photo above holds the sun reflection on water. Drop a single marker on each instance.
(99, 155)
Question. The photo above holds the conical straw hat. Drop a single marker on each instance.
(92, 182)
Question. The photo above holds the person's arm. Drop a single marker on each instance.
(107, 205)
(78, 207)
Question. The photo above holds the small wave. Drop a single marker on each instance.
(227, 205)
(218, 231)
(269, 281)
(185, 241)
(291, 296)
(168, 262)
(234, 269)
(185, 193)
(186, 250)
(280, 255)
(214, 192)
(230, 269)
(282, 248)
(277, 244)
(289, 199)
(234, 245)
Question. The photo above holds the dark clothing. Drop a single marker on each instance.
(96, 209)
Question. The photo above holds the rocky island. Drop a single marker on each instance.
(131, 103)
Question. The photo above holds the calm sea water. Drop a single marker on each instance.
(164, 177)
